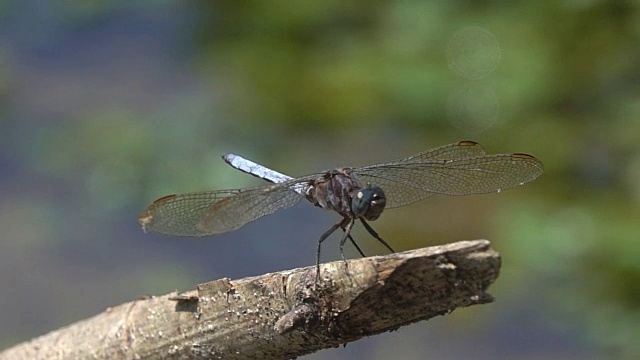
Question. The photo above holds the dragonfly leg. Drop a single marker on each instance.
(347, 231)
(324, 236)
(375, 235)
(356, 246)
(353, 241)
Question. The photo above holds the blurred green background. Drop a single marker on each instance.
(107, 105)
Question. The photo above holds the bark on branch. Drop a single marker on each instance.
(281, 315)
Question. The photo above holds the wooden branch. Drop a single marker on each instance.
(281, 315)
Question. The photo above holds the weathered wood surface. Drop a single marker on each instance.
(281, 315)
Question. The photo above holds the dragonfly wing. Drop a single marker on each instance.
(407, 181)
(458, 150)
(215, 212)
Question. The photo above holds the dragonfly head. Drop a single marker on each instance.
(368, 202)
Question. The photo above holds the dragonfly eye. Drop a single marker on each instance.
(368, 203)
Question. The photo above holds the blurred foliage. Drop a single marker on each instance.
(569, 77)
(107, 105)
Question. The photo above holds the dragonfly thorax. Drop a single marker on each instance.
(339, 191)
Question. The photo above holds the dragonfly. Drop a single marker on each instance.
(355, 193)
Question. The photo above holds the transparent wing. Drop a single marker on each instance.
(461, 149)
(215, 212)
(422, 175)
